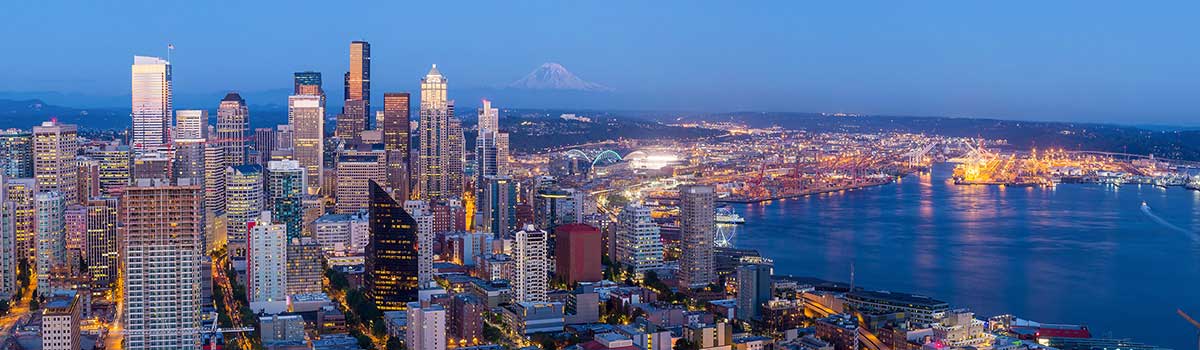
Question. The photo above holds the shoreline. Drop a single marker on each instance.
(806, 194)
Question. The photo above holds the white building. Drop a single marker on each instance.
(697, 213)
(419, 210)
(51, 238)
(531, 275)
(191, 124)
(54, 167)
(266, 267)
(60, 322)
(426, 327)
(151, 102)
(243, 202)
(8, 242)
(306, 115)
(639, 244)
(342, 233)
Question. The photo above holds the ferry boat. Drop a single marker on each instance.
(726, 215)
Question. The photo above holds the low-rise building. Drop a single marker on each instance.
(528, 317)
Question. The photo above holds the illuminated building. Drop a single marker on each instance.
(9, 253)
(264, 142)
(189, 159)
(354, 170)
(466, 319)
(352, 122)
(16, 153)
(306, 115)
(162, 263)
(396, 142)
(243, 203)
(639, 244)
(54, 148)
(233, 122)
(921, 311)
(754, 288)
(51, 239)
(116, 163)
(307, 83)
(419, 211)
(303, 266)
(696, 215)
(433, 160)
(214, 178)
(151, 102)
(21, 192)
(60, 321)
(358, 79)
(426, 327)
(497, 206)
(531, 274)
(285, 192)
(191, 124)
(102, 240)
(391, 255)
(266, 264)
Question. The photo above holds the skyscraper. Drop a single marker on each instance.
(54, 148)
(306, 114)
(696, 224)
(531, 277)
(102, 246)
(233, 122)
(391, 255)
(51, 239)
(357, 107)
(457, 156)
(639, 244)
(489, 118)
(214, 178)
(151, 108)
(307, 83)
(243, 203)
(577, 256)
(116, 163)
(497, 204)
(351, 123)
(303, 266)
(21, 192)
(421, 214)
(427, 327)
(162, 262)
(191, 124)
(354, 170)
(754, 287)
(9, 253)
(433, 129)
(16, 153)
(397, 142)
(263, 143)
(189, 159)
(285, 192)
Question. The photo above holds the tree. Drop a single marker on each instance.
(4, 307)
(684, 344)
(548, 344)
(393, 343)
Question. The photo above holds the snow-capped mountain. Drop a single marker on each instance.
(553, 76)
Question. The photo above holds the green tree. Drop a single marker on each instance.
(684, 344)
(394, 344)
(4, 307)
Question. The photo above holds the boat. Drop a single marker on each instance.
(726, 215)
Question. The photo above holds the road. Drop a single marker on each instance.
(19, 313)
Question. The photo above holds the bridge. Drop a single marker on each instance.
(595, 158)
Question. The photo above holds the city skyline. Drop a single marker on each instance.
(883, 59)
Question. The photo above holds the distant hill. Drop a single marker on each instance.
(27, 113)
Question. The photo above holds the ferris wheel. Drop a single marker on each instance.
(724, 234)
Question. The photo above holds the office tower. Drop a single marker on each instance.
(162, 235)
(448, 215)
(696, 215)
(489, 118)
(391, 255)
(502, 153)
(457, 152)
(497, 203)
(307, 83)
(243, 203)
(351, 123)
(264, 143)
(21, 192)
(51, 239)
(16, 153)
(266, 264)
(152, 165)
(151, 108)
(303, 266)
(189, 160)
(214, 178)
(60, 321)
(466, 319)
(102, 246)
(306, 114)
(754, 288)
(342, 232)
(426, 327)
(285, 193)
(358, 79)
(639, 244)
(87, 178)
(577, 257)
(420, 213)
(116, 167)
(191, 124)
(531, 276)
(283, 140)
(433, 130)
(464, 248)
(54, 147)
(75, 232)
(354, 170)
(554, 205)
(233, 121)
(397, 142)
(9, 253)
(485, 159)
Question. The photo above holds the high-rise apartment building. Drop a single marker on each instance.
(285, 194)
(754, 287)
(391, 255)
(397, 142)
(421, 214)
(243, 203)
(303, 266)
(639, 244)
(9, 254)
(116, 167)
(426, 327)
(306, 115)
(696, 223)
(151, 107)
(266, 263)
(498, 205)
(233, 123)
(51, 240)
(531, 276)
(21, 193)
(162, 235)
(102, 248)
(54, 148)
(191, 124)
(16, 153)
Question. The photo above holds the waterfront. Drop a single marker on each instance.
(1083, 254)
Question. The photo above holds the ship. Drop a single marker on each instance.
(726, 215)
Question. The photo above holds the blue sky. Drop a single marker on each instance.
(1100, 61)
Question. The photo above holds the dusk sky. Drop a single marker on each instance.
(1095, 61)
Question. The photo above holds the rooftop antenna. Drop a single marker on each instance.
(170, 47)
(851, 276)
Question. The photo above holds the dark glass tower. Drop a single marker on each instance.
(307, 83)
(391, 254)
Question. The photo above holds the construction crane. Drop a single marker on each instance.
(1193, 322)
